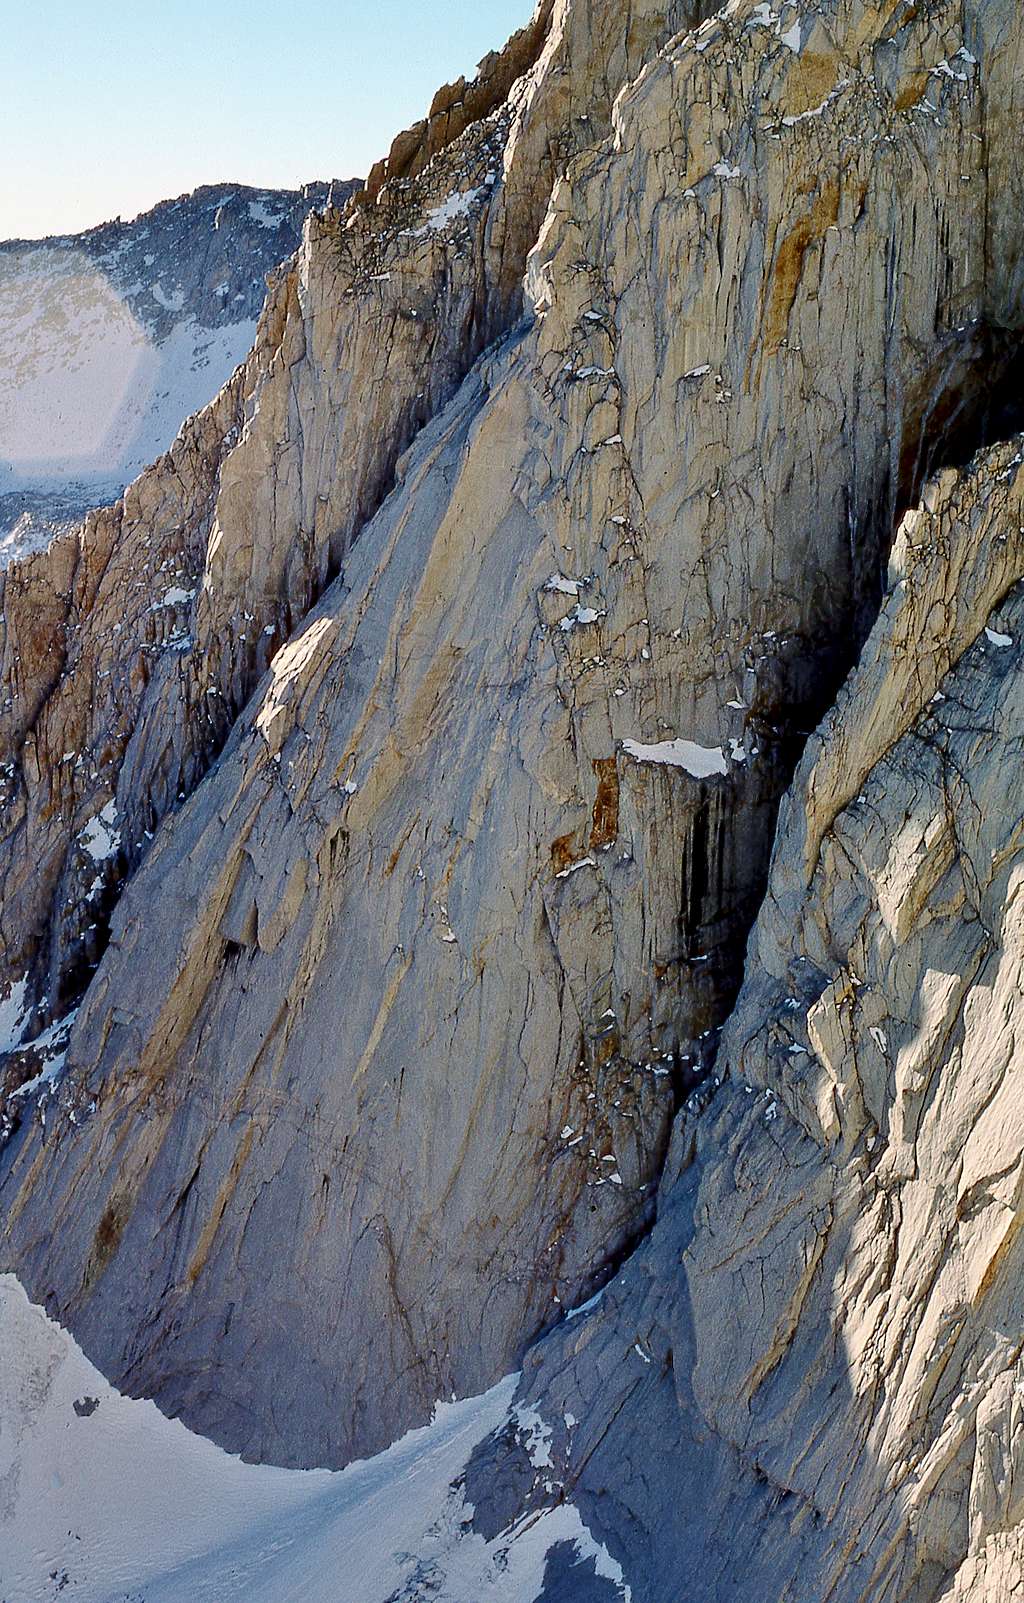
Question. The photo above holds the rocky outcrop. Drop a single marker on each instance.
(380, 1066)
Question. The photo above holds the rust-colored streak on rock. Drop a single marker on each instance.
(789, 261)
(605, 829)
(564, 852)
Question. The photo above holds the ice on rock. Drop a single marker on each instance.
(702, 762)
(99, 837)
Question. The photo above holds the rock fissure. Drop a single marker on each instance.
(592, 665)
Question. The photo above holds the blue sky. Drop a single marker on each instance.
(107, 106)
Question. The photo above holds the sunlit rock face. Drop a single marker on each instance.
(110, 339)
(380, 840)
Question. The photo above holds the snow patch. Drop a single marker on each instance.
(574, 868)
(586, 1307)
(52, 1045)
(579, 617)
(702, 762)
(23, 539)
(127, 1503)
(13, 1014)
(88, 398)
(99, 837)
(172, 598)
(456, 205)
(171, 303)
(535, 1436)
(262, 214)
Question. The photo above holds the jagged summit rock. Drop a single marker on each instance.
(398, 918)
(109, 339)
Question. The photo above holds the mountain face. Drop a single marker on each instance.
(108, 339)
(522, 799)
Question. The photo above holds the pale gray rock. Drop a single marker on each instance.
(162, 612)
(807, 1383)
(377, 1073)
(382, 1058)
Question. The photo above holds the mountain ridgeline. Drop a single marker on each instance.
(109, 339)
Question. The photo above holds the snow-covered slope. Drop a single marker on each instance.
(110, 339)
(105, 1500)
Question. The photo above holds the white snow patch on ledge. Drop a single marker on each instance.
(701, 761)
(574, 868)
(580, 617)
(129, 1503)
(173, 598)
(439, 216)
(13, 1016)
(997, 639)
(99, 837)
(535, 1435)
(52, 1046)
(264, 215)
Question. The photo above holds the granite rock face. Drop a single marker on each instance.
(162, 612)
(431, 829)
(820, 1344)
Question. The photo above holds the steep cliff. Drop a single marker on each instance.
(501, 639)
(821, 1341)
(130, 646)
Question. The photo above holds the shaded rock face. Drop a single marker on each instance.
(822, 1336)
(506, 635)
(112, 337)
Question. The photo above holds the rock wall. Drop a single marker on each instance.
(381, 1064)
(820, 1344)
(163, 611)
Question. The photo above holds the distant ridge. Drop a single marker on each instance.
(110, 338)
